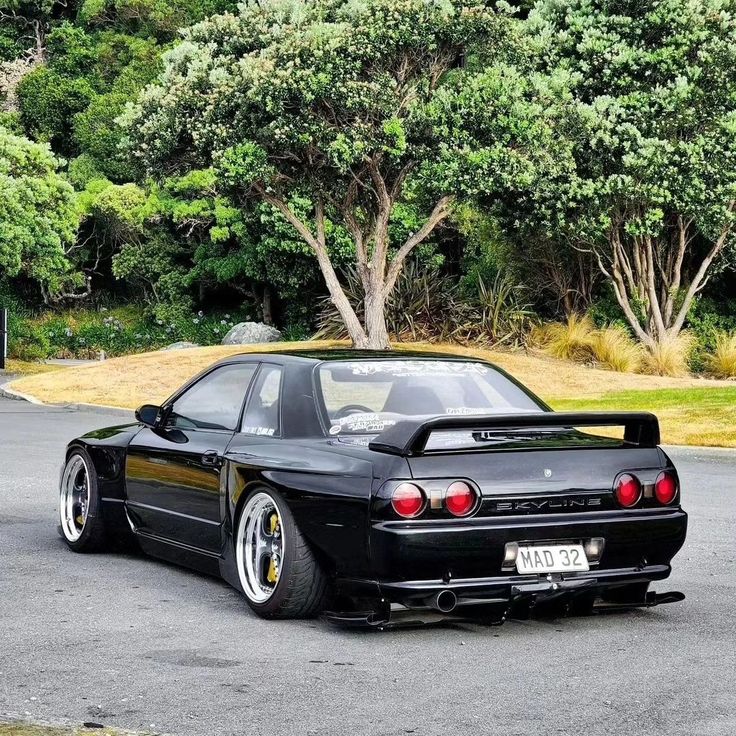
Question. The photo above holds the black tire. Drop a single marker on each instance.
(93, 536)
(302, 589)
(623, 594)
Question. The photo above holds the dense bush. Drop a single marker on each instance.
(497, 265)
(427, 305)
(116, 331)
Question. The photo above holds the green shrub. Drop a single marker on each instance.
(427, 305)
(84, 333)
(48, 103)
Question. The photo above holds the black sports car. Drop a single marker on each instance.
(367, 484)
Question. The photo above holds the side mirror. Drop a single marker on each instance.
(149, 415)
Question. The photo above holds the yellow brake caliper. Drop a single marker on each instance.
(272, 575)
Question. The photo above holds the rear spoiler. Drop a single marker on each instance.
(409, 436)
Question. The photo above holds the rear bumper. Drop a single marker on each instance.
(414, 560)
(416, 593)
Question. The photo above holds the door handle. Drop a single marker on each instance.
(211, 457)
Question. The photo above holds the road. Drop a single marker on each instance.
(128, 641)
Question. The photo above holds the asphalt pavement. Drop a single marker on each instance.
(131, 642)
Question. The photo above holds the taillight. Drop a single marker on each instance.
(628, 490)
(665, 487)
(408, 500)
(460, 498)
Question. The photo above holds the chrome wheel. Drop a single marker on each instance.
(260, 546)
(74, 498)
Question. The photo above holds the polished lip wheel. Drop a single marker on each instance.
(74, 498)
(260, 544)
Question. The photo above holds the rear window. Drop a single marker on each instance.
(366, 396)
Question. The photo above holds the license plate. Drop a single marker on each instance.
(551, 558)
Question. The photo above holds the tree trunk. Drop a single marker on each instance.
(267, 305)
(375, 319)
(378, 276)
(649, 275)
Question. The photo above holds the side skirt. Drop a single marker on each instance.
(179, 554)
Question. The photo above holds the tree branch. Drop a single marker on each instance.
(439, 213)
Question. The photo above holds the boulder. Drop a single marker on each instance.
(182, 345)
(246, 333)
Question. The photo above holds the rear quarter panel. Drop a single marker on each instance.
(327, 489)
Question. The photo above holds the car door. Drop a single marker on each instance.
(173, 472)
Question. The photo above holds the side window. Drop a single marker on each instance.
(215, 401)
(263, 410)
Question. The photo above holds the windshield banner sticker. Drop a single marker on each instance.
(406, 368)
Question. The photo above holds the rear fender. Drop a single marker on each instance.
(328, 494)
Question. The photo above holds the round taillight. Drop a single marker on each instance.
(628, 490)
(408, 500)
(460, 498)
(665, 487)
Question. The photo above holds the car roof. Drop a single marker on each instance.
(326, 355)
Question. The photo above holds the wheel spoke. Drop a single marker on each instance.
(74, 498)
(259, 548)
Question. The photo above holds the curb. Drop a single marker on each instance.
(700, 448)
(9, 393)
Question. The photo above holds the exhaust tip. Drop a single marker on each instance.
(444, 601)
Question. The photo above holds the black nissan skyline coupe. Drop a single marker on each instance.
(375, 486)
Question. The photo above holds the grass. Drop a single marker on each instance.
(29, 729)
(570, 340)
(670, 357)
(688, 416)
(24, 368)
(722, 362)
(614, 350)
(693, 411)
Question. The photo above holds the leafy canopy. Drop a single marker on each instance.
(654, 106)
(293, 94)
(38, 216)
(355, 107)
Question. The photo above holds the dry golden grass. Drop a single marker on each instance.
(722, 362)
(30, 729)
(613, 348)
(669, 357)
(133, 380)
(571, 340)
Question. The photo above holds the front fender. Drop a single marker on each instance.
(108, 449)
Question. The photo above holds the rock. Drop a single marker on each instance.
(245, 333)
(182, 345)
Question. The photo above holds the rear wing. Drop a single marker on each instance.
(409, 436)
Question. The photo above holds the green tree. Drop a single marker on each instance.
(354, 107)
(653, 125)
(38, 216)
